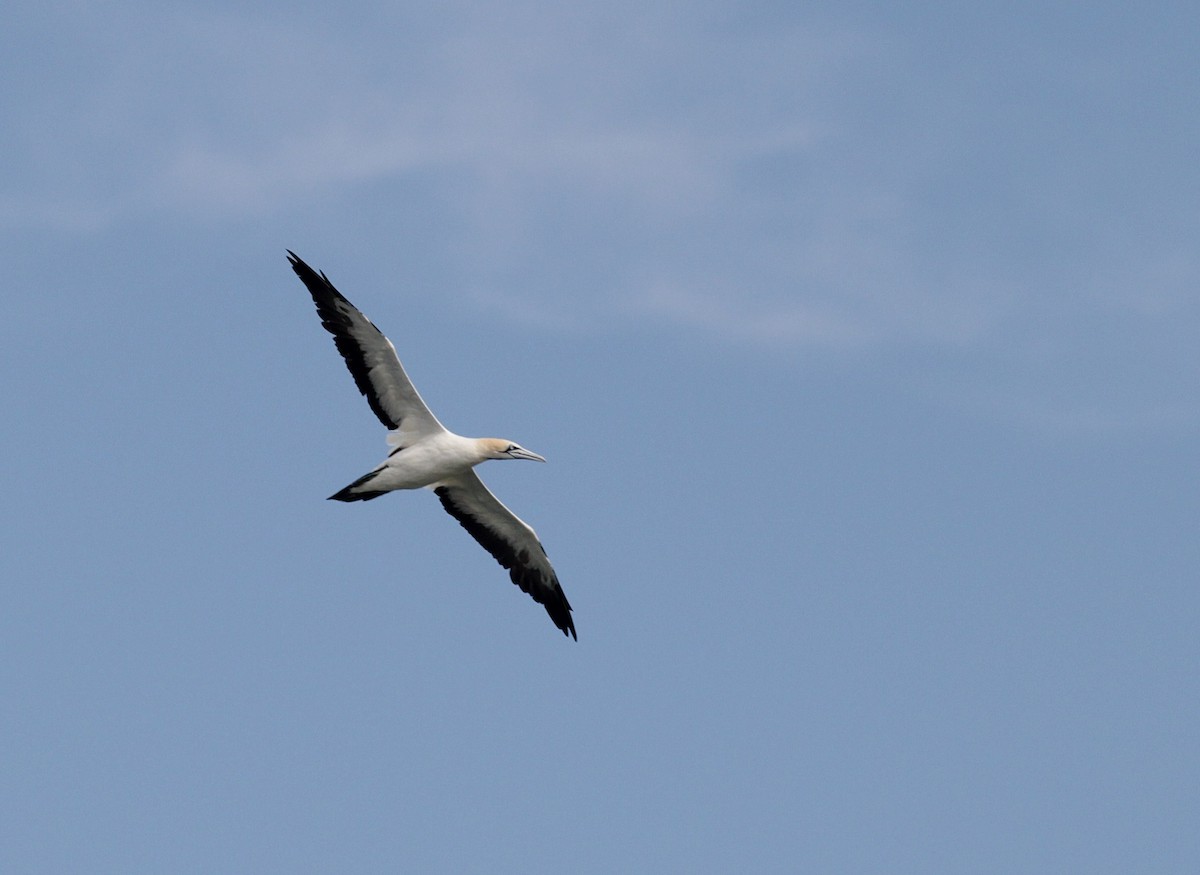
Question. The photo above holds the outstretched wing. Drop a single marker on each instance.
(513, 544)
(370, 357)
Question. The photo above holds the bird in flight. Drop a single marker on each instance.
(426, 454)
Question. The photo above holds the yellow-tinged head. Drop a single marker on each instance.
(498, 448)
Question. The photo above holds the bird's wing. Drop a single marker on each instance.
(513, 543)
(370, 357)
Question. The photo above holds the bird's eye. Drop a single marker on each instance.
(512, 447)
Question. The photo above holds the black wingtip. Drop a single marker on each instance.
(302, 269)
(560, 615)
(308, 274)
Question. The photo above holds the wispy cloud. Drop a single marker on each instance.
(802, 184)
(784, 323)
(196, 109)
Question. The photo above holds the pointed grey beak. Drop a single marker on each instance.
(525, 454)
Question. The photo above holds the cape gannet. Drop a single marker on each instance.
(425, 454)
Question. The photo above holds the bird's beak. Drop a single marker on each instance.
(525, 454)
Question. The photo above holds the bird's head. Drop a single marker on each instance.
(497, 448)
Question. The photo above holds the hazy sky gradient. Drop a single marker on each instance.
(861, 341)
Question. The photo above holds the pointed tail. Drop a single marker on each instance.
(359, 490)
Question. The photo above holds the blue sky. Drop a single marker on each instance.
(860, 338)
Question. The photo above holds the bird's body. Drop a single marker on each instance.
(426, 455)
(424, 462)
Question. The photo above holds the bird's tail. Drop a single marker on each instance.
(359, 490)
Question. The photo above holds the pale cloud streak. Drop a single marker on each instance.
(805, 186)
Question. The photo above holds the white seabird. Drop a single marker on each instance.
(425, 454)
